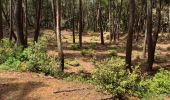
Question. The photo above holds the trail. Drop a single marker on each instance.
(31, 86)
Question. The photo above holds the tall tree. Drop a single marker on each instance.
(158, 22)
(25, 21)
(11, 34)
(19, 23)
(58, 35)
(130, 33)
(149, 35)
(74, 40)
(80, 23)
(38, 17)
(1, 21)
(100, 22)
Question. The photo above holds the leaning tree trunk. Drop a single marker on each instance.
(38, 12)
(58, 35)
(149, 35)
(130, 34)
(19, 23)
(1, 21)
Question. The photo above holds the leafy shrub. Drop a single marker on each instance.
(74, 47)
(33, 58)
(112, 52)
(111, 75)
(74, 63)
(86, 52)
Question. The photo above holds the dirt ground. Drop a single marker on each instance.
(31, 86)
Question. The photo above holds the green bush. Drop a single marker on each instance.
(111, 75)
(86, 52)
(74, 47)
(113, 52)
(33, 58)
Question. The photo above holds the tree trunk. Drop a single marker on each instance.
(144, 45)
(19, 23)
(158, 22)
(100, 23)
(74, 40)
(38, 12)
(25, 23)
(110, 21)
(58, 35)
(1, 21)
(149, 35)
(130, 33)
(80, 23)
(11, 34)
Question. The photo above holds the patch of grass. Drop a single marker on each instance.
(113, 52)
(74, 47)
(86, 52)
(74, 63)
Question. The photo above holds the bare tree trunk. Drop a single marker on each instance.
(158, 22)
(144, 45)
(74, 40)
(1, 21)
(130, 34)
(100, 23)
(58, 35)
(25, 23)
(19, 23)
(80, 23)
(11, 34)
(110, 21)
(38, 17)
(149, 35)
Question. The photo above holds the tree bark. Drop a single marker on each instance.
(38, 17)
(149, 35)
(80, 23)
(19, 23)
(100, 23)
(74, 40)
(1, 21)
(58, 35)
(130, 34)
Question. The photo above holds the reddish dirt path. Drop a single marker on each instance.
(31, 86)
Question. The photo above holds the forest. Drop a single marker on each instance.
(84, 49)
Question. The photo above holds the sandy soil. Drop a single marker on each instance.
(31, 86)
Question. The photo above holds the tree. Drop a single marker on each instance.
(19, 23)
(130, 33)
(58, 35)
(11, 34)
(100, 22)
(38, 16)
(74, 40)
(80, 23)
(1, 21)
(149, 35)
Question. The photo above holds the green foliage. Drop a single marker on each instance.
(86, 52)
(112, 76)
(74, 47)
(33, 58)
(113, 52)
(74, 63)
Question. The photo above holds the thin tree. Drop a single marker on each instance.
(158, 22)
(25, 23)
(149, 35)
(19, 23)
(58, 35)
(1, 21)
(11, 34)
(74, 40)
(130, 33)
(80, 23)
(38, 16)
(100, 22)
